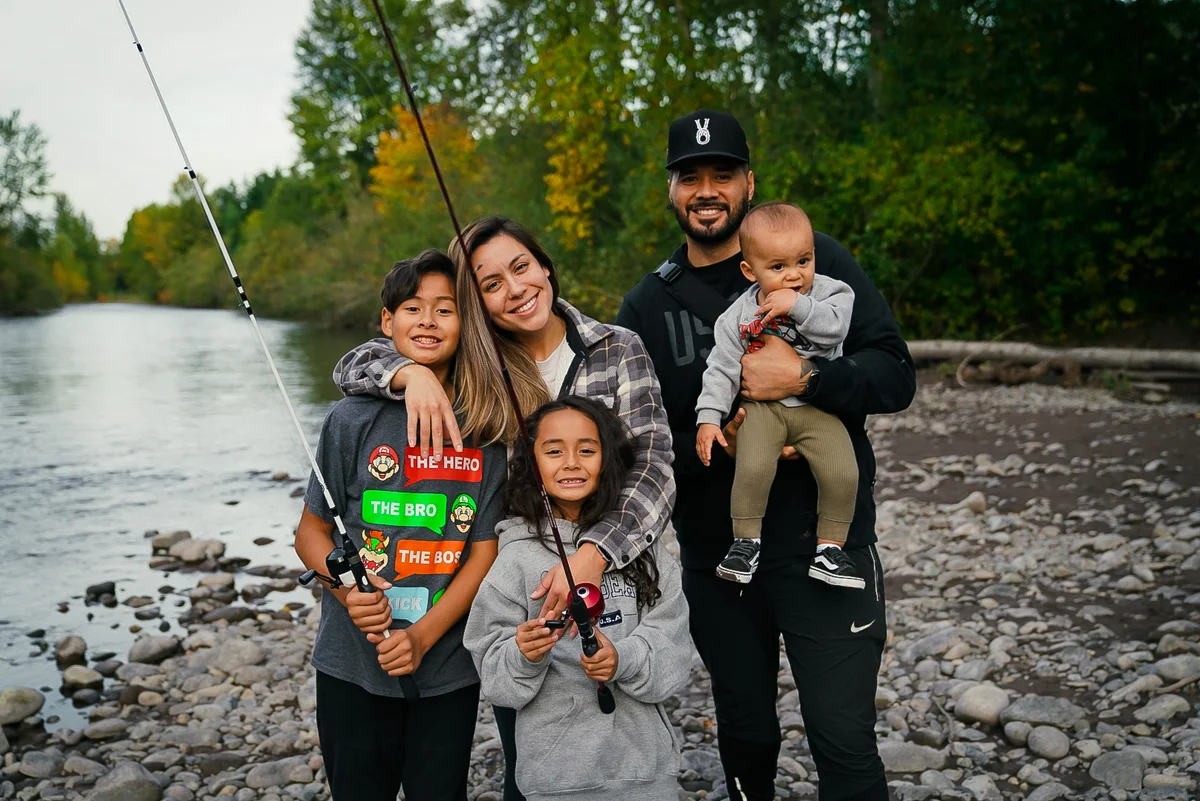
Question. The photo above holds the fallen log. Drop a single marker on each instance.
(1026, 353)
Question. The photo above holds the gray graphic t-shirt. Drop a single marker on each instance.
(413, 519)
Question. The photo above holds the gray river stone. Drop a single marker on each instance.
(106, 729)
(163, 542)
(272, 774)
(234, 653)
(193, 737)
(151, 650)
(1177, 668)
(18, 703)
(1049, 742)
(41, 764)
(940, 642)
(981, 704)
(70, 650)
(128, 781)
(901, 757)
(82, 766)
(192, 551)
(78, 677)
(1120, 770)
(1045, 710)
(1164, 707)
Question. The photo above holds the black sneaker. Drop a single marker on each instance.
(833, 566)
(741, 561)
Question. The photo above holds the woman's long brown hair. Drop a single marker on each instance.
(479, 385)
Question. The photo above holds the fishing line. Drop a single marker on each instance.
(348, 562)
(577, 604)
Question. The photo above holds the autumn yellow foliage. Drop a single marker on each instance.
(402, 178)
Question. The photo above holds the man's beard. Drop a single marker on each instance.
(713, 235)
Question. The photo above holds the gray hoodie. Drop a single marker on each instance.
(566, 747)
(816, 326)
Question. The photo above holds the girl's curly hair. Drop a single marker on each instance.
(524, 498)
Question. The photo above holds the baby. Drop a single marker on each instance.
(811, 313)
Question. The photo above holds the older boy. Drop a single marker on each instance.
(428, 526)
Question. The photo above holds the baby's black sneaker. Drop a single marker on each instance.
(832, 566)
(741, 561)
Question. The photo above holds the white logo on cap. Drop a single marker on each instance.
(702, 134)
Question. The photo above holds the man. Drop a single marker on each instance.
(834, 639)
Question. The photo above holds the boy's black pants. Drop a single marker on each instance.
(373, 745)
(834, 639)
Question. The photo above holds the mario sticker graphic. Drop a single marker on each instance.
(384, 463)
(374, 553)
(463, 513)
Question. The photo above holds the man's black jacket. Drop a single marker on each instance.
(874, 376)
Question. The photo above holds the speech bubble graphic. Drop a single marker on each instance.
(408, 603)
(416, 509)
(424, 558)
(465, 466)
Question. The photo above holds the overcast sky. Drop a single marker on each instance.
(225, 67)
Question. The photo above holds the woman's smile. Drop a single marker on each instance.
(527, 308)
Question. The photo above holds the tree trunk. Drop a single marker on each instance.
(1025, 353)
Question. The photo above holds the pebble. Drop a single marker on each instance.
(901, 757)
(151, 649)
(1119, 770)
(1164, 707)
(70, 650)
(981, 704)
(127, 781)
(1048, 742)
(78, 677)
(18, 703)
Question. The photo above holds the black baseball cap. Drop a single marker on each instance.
(706, 134)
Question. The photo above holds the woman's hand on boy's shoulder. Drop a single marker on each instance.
(430, 413)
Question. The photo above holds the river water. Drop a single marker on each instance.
(119, 419)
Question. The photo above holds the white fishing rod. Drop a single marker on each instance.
(344, 564)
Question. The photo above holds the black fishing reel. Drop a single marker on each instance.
(346, 570)
(339, 575)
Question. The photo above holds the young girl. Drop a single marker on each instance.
(567, 746)
(428, 556)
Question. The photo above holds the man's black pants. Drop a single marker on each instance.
(373, 745)
(834, 639)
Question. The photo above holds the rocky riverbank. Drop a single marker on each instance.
(1042, 549)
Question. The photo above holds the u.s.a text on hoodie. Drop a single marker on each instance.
(566, 748)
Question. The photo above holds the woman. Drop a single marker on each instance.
(551, 350)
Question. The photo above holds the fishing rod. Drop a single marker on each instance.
(586, 601)
(343, 563)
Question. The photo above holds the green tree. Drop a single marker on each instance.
(349, 86)
(23, 172)
(26, 280)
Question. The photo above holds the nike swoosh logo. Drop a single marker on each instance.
(856, 629)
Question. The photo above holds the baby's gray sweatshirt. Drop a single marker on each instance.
(816, 326)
